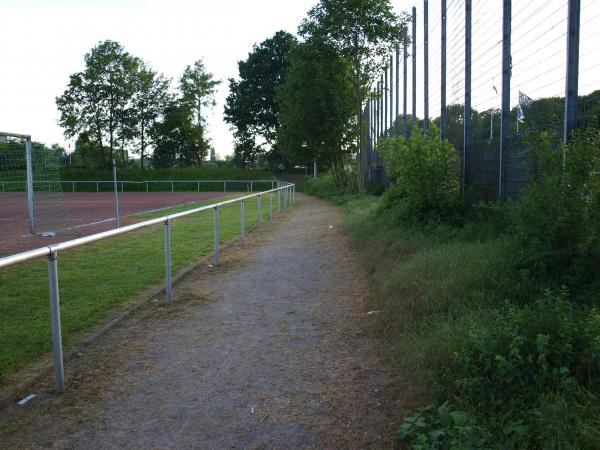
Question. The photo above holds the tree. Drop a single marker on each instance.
(150, 99)
(198, 89)
(316, 103)
(96, 99)
(250, 106)
(179, 141)
(362, 32)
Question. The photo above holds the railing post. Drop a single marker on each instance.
(271, 206)
(242, 228)
(168, 261)
(73, 183)
(251, 187)
(198, 186)
(285, 190)
(259, 214)
(97, 187)
(146, 186)
(278, 200)
(216, 236)
(172, 186)
(59, 374)
(224, 186)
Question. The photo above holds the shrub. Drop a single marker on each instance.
(424, 176)
(503, 369)
(557, 223)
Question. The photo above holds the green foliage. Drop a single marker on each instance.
(250, 107)
(423, 172)
(324, 186)
(198, 87)
(316, 102)
(526, 352)
(557, 223)
(432, 428)
(362, 32)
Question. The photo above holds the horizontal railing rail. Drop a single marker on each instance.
(285, 189)
(250, 184)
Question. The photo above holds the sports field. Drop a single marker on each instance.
(75, 214)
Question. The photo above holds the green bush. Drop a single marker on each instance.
(423, 171)
(324, 186)
(557, 223)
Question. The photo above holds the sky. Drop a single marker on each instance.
(43, 41)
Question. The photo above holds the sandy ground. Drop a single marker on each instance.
(272, 349)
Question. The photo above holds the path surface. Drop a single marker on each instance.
(270, 350)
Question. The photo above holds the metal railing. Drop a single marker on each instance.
(283, 189)
(249, 184)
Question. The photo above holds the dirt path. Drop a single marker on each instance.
(270, 350)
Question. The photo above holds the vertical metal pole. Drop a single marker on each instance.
(377, 127)
(224, 186)
(73, 187)
(404, 82)
(391, 94)
(146, 186)
(385, 101)
(259, 214)
(314, 167)
(505, 114)
(242, 227)
(381, 107)
(414, 66)
(216, 236)
(251, 187)
(97, 187)
(285, 198)
(278, 200)
(443, 73)
(572, 82)
(117, 216)
(397, 115)
(168, 261)
(426, 65)
(122, 187)
(59, 374)
(172, 186)
(271, 207)
(467, 110)
(28, 150)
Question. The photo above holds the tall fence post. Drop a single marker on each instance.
(414, 66)
(506, 74)
(31, 211)
(146, 186)
(467, 110)
(404, 82)
(285, 198)
(59, 374)
(572, 81)
(216, 236)
(381, 107)
(443, 71)
(224, 186)
(259, 214)
(117, 218)
(391, 94)
(397, 85)
(168, 290)
(242, 227)
(279, 200)
(426, 65)
(385, 101)
(271, 207)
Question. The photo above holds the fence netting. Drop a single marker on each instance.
(538, 85)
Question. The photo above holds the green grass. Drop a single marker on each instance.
(98, 280)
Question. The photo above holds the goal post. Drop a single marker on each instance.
(28, 171)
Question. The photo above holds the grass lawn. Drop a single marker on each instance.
(99, 279)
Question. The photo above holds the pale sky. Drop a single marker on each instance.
(43, 41)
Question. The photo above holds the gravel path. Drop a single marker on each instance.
(271, 349)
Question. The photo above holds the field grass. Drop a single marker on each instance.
(100, 279)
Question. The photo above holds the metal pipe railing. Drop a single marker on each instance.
(52, 251)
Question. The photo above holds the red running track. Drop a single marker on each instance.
(75, 214)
